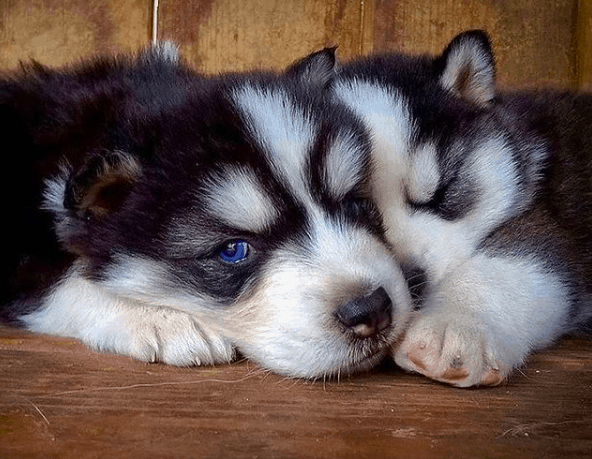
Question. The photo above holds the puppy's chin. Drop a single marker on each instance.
(327, 363)
(312, 346)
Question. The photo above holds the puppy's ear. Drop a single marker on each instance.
(101, 184)
(466, 68)
(315, 70)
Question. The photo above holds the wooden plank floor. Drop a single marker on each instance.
(60, 400)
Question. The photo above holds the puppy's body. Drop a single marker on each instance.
(489, 195)
(171, 217)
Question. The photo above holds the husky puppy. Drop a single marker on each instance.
(168, 216)
(487, 196)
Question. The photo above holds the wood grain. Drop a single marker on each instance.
(226, 35)
(583, 44)
(56, 32)
(537, 42)
(533, 40)
(60, 400)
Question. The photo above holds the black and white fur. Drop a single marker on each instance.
(164, 215)
(489, 195)
(173, 217)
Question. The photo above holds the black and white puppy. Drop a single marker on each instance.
(486, 194)
(168, 216)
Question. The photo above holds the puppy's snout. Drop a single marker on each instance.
(368, 315)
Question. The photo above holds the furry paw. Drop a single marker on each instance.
(165, 335)
(450, 351)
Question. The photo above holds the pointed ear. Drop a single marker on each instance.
(315, 70)
(101, 184)
(467, 68)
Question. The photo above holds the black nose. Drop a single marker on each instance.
(368, 315)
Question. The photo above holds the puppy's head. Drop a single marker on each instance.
(245, 203)
(445, 157)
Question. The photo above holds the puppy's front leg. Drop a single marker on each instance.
(483, 319)
(80, 309)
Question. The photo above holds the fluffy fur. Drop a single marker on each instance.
(486, 193)
(168, 216)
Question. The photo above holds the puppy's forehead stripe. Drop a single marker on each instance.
(282, 129)
(344, 165)
(423, 177)
(237, 198)
(384, 111)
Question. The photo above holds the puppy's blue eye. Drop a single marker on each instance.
(235, 252)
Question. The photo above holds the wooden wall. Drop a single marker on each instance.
(536, 41)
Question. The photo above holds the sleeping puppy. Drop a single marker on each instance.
(487, 197)
(167, 216)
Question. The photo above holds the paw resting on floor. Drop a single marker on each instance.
(445, 350)
(164, 335)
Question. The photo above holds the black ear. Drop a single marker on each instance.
(315, 70)
(101, 184)
(467, 68)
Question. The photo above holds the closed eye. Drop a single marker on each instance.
(449, 202)
(433, 202)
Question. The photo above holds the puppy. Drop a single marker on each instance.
(487, 197)
(168, 216)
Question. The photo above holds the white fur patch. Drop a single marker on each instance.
(237, 198)
(424, 175)
(386, 115)
(343, 167)
(517, 298)
(55, 191)
(495, 172)
(166, 51)
(283, 130)
(106, 322)
(53, 201)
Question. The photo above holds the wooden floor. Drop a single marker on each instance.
(59, 400)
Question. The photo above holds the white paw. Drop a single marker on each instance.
(164, 335)
(482, 320)
(80, 309)
(451, 350)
